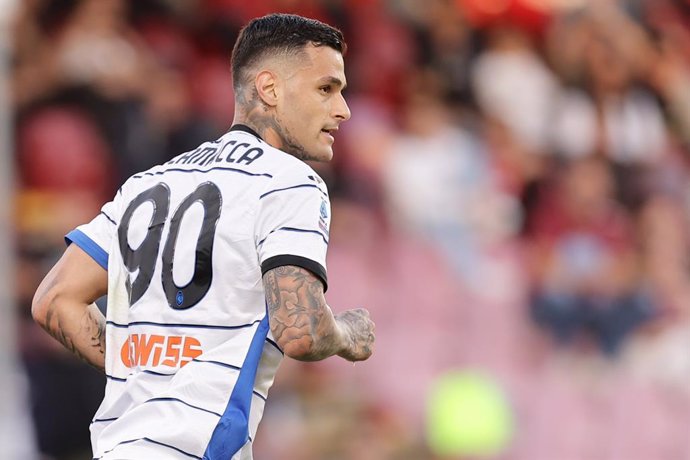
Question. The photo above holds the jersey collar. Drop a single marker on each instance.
(246, 129)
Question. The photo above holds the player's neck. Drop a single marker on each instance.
(262, 126)
(252, 112)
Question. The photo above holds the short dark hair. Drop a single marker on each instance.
(281, 34)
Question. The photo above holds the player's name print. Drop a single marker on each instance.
(233, 152)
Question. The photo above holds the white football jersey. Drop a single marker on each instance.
(189, 354)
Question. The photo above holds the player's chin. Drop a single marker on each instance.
(324, 149)
(322, 153)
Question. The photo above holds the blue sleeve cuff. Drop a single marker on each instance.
(89, 246)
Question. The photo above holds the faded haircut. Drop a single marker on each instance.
(281, 35)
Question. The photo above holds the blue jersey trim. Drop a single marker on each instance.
(232, 431)
(89, 246)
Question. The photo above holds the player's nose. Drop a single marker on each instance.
(341, 109)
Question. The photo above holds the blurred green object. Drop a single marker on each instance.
(467, 415)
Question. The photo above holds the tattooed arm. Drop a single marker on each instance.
(304, 325)
(63, 305)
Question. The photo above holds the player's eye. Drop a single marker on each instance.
(325, 89)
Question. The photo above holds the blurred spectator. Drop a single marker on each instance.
(445, 43)
(52, 137)
(658, 354)
(513, 85)
(97, 47)
(668, 69)
(440, 186)
(383, 53)
(587, 278)
(609, 111)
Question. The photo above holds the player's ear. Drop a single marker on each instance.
(266, 87)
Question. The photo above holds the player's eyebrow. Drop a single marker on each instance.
(335, 81)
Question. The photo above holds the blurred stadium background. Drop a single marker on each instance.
(510, 200)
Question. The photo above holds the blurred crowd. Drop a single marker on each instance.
(510, 198)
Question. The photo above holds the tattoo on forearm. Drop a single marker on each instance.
(297, 311)
(91, 330)
(56, 329)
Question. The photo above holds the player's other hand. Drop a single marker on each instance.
(358, 329)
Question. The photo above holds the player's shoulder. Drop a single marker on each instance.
(284, 169)
(240, 150)
(292, 172)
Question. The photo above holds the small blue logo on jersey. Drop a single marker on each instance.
(324, 210)
(324, 215)
(179, 298)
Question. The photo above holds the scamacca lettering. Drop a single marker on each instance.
(152, 350)
(232, 152)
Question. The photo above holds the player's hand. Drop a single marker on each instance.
(359, 334)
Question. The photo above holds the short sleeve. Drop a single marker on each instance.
(293, 223)
(95, 237)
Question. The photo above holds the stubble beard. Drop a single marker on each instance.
(290, 144)
(264, 121)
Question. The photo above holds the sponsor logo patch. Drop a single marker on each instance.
(151, 350)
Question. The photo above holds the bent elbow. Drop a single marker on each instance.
(39, 309)
(41, 304)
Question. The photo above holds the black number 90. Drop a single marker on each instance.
(144, 257)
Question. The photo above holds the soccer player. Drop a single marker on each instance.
(214, 263)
